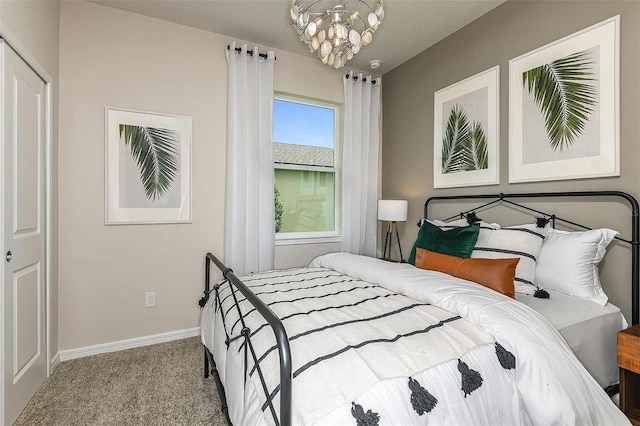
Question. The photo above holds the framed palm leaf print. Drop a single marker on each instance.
(466, 132)
(148, 168)
(564, 108)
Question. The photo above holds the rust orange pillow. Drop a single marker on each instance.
(496, 274)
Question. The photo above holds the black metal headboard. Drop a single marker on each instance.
(507, 198)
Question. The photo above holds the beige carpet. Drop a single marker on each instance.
(153, 385)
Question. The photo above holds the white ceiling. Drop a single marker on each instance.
(409, 26)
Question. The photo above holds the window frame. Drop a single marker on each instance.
(335, 236)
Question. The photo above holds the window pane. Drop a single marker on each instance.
(308, 200)
(303, 134)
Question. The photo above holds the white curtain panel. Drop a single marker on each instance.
(249, 209)
(361, 146)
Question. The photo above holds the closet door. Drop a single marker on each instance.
(23, 127)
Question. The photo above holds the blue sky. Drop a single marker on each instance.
(302, 124)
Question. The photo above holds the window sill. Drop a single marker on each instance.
(313, 240)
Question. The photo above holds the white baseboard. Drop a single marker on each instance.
(55, 361)
(128, 344)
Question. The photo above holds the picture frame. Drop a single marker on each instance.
(581, 73)
(467, 132)
(148, 167)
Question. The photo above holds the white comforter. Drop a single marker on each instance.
(554, 386)
(548, 385)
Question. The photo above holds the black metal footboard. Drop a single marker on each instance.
(284, 416)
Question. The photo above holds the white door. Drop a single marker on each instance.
(23, 127)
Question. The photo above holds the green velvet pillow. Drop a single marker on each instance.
(457, 242)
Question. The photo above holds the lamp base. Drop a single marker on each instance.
(388, 242)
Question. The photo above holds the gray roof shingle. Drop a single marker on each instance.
(286, 153)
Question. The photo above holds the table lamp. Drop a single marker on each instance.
(392, 211)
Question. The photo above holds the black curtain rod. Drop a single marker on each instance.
(250, 53)
(355, 78)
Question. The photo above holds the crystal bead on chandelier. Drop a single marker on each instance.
(337, 30)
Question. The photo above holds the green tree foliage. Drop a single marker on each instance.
(279, 208)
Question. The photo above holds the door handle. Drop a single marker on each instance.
(9, 256)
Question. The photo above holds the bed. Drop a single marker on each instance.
(356, 340)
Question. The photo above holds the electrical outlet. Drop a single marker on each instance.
(150, 299)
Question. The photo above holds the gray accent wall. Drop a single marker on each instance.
(508, 31)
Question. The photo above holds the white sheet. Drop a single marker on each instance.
(589, 329)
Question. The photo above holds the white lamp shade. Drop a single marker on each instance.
(393, 210)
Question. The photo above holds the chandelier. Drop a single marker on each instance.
(336, 29)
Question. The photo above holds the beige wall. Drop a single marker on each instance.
(35, 24)
(113, 58)
(506, 32)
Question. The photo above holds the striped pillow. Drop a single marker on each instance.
(519, 241)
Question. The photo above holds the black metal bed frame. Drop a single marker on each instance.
(506, 198)
(274, 322)
(276, 325)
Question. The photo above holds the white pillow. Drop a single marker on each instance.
(521, 241)
(568, 262)
(518, 241)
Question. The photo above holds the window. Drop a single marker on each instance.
(306, 169)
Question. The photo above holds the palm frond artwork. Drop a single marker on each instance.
(464, 144)
(155, 151)
(477, 151)
(456, 135)
(565, 93)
